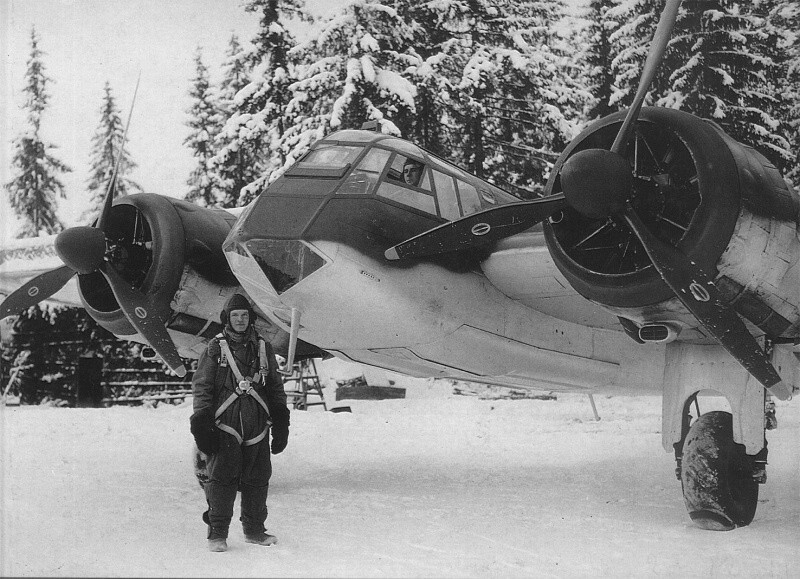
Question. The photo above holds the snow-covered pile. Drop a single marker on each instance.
(438, 486)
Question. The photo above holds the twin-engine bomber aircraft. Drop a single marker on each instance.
(663, 258)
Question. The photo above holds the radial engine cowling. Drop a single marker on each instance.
(722, 203)
(152, 240)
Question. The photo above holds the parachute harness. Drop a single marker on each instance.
(244, 387)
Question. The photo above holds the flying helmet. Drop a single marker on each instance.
(236, 302)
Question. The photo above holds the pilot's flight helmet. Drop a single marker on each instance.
(236, 302)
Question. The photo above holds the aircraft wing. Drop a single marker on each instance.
(23, 259)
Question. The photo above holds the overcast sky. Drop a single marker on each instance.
(89, 42)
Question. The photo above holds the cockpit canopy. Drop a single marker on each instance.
(362, 189)
(398, 171)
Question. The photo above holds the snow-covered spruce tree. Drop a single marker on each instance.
(204, 124)
(106, 144)
(550, 98)
(28, 352)
(427, 127)
(36, 184)
(469, 60)
(235, 73)
(231, 163)
(722, 63)
(785, 14)
(598, 55)
(631, 42)
(255, 127)
(725, 66)
(45, 346)
(511, 101)
(349, 73)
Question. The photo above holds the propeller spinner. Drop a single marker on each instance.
(82, 248)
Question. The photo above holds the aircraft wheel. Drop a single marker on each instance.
(717, 475)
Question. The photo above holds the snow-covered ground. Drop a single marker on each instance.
(430, 486)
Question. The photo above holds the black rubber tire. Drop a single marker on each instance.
(717, 475)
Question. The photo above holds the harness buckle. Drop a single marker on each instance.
(245, 386)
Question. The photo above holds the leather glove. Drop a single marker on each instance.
(205, 433)
(280, 438)
(280, 428)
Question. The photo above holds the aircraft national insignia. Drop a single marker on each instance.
(699, 292)
(481, 229)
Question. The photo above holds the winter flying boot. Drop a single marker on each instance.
(217, 537)
(264, 539)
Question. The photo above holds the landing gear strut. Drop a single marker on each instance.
(721, 456)
(720, 486)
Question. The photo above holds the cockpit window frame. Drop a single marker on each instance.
(357, 167)
(382, 178)
(488, 194)
(449, 194)
(400, 181)
(370, 139)
(297, 170)
(414, 189)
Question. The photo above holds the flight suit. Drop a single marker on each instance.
(242, 461)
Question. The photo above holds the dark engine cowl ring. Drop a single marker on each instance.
(146, 246)
(684, 186)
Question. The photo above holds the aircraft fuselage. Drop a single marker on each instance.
(314, 241)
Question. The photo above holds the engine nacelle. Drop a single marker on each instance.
(172, 250)
(155, 241)
(722, 203)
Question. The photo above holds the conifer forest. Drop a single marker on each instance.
(497, 87)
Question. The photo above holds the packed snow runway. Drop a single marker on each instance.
(429, 486)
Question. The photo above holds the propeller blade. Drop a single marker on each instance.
(102, 221)
(35, 290)
(478, 229)
(657, 49)
(696, 290)
(142, 315)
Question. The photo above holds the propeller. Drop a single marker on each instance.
(478, 229)
(598, 183)
(85, 250)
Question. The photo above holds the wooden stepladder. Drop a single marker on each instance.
(304, 382)
(11, 379)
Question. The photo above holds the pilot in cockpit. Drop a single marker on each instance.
(412, 171)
